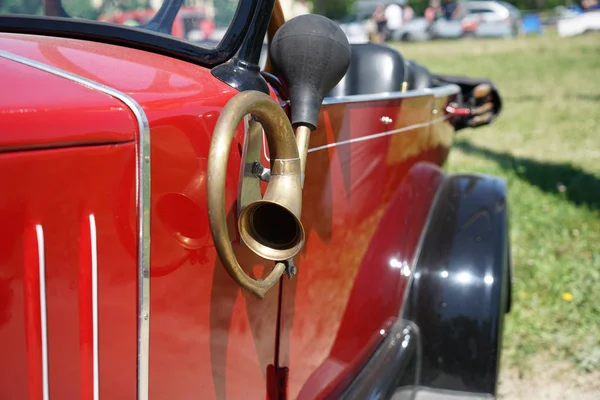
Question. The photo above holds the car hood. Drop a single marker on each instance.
(45, 110)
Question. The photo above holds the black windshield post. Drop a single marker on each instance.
(163, 20)
(243, 72)
(252, 46)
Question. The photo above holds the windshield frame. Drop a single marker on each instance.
(140, 38)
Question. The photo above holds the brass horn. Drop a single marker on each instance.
(311, 54)
(270, 226)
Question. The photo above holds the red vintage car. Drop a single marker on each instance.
(179, 223)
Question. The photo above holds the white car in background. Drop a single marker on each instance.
(578, 24)
(356, 27)
(419, 29)
(491, 19)
(482, 18)
(479, 18)
(475, 19)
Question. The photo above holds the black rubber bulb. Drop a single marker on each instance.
(311, 54)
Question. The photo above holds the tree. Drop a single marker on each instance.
(29, 7)
(80, 9)
(334, 9)
(224, 11)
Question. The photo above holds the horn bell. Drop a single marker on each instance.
(271, 227)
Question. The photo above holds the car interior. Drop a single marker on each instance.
(376, 68)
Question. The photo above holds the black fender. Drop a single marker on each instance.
(460, 289)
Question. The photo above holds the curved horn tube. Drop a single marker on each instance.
(270, 227)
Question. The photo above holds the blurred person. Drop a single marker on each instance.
(450, 9)
(393, 15)
(431, 13)
(590, 5)
(207, 27)
(371, 28)
(380, 22)
(407, 12)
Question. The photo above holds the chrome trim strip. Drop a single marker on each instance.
(94, 248)
(446, 90)
(143, 208)
(439, 91)
(43, 317)
(381, 134)
(360, 98)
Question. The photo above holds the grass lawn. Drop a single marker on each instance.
(546, 144)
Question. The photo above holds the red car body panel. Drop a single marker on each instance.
(58, 190)
(70, 114)
(365, 203)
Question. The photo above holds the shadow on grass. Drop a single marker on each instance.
(529, 98)
(576, 185)
(588, 97)
(526, 98)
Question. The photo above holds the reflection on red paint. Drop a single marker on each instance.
(33, 330)
(85, 309)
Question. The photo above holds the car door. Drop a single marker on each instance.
(365, 201)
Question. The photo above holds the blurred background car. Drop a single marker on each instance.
(491, 19)
(413, 31)
(472, 19)
(356, 27)
(578, 23)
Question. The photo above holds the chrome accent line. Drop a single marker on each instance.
(94, 248)
(381, 134)
(439, 91)
(143, 208)
(44, 327)
(360, 98)
(446, 90)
